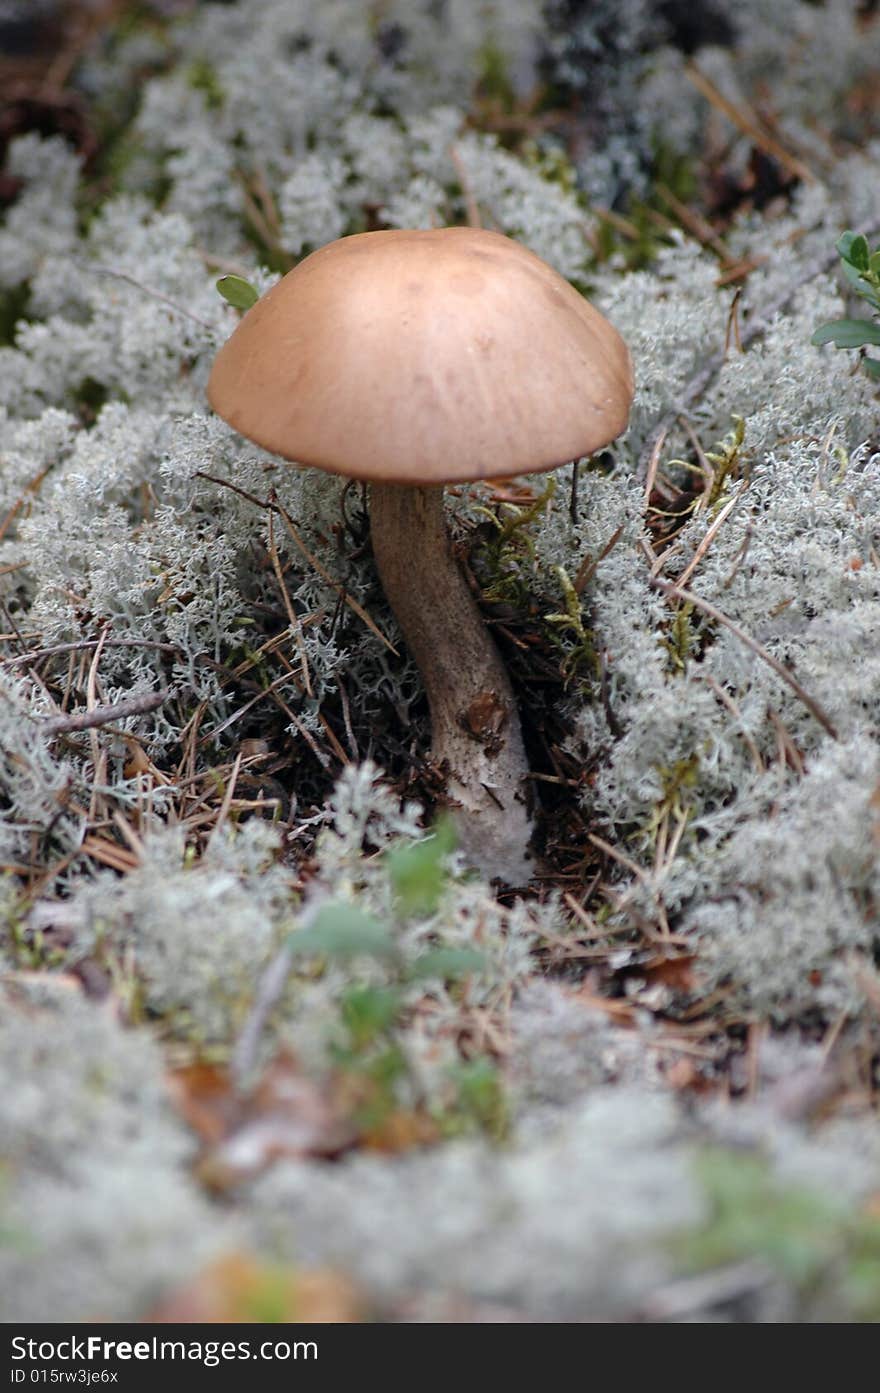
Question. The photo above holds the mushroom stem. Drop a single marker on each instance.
(474, 718)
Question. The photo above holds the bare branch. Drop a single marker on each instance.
(147, 290)
(104, 715)
(37, 654)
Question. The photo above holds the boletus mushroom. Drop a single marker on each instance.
(414, 359)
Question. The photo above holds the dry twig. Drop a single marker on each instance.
(748, 123)
(270, 989)
(104, 715)
(688, 597)
(276, 507)
(146, 290)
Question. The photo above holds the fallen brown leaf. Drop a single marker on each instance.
(401, 1131)
(287, 1114)
(675, 973)
(241, 1289)
(203, 1096)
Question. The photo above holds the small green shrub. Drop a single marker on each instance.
(371, 1013)
(822, 1248)
(861, 267)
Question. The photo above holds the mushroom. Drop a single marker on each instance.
(414, 359)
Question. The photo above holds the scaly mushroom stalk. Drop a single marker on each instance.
(474, 719)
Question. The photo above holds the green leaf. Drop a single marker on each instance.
(808, 1237)
(368, 1012)
(862, 287)
(447, 964)
(238, 291)
(872, 367)
(342, 931)
(417, 872)
(855, 278)
(847, 333)
(843, 244)
(481, 1095)
(874, 264)
(853, 247)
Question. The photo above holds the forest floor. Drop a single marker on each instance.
(268, 1049)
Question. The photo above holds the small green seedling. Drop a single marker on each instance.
(418, 873)
(238, 291)
(342, 931)
(386, 971)
(861, 266)
(826, 1248)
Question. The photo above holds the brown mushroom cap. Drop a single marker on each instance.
(424, 357)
